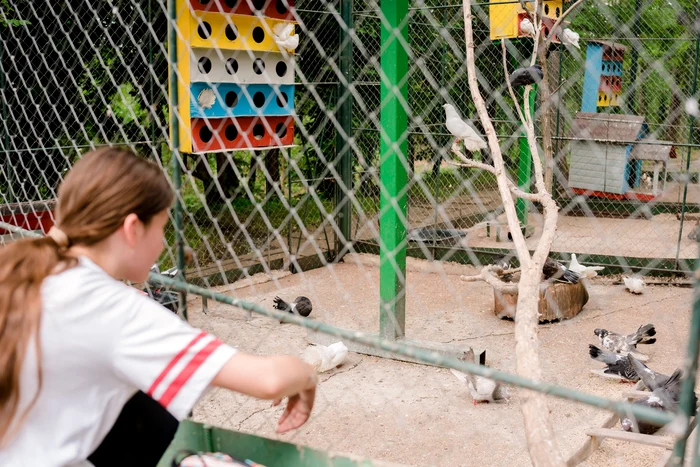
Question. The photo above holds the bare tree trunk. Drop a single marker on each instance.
(549, 81)
(272, 167)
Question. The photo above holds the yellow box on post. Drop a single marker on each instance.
(505, 18)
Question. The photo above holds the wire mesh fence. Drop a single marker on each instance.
(279, 178)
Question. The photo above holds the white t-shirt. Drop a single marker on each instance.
(101, 342)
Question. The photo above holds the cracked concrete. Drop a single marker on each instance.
(420, 415)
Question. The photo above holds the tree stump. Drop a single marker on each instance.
(558, 301)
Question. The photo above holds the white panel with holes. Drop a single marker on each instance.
(240, 67)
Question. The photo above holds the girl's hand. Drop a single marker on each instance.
(297, 411)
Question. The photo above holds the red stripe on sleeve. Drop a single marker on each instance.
(187, 372)
(173, 362)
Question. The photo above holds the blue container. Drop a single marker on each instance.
(233, 100)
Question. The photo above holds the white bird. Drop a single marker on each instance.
(283, 37)
(463, 132)
(527, 27)
(570, 37)
(588, 272)
(482, 389)
(206, 98)
(634, 284)
(692, 107)
(324, 358)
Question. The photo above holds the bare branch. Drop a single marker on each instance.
(510, 88)
(487, 275)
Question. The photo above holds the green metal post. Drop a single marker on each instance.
(634, 55)
(525, 165)
(691, 123)
(344, 161)
(175, 145)
(393, 173)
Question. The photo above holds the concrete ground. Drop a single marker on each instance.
(421, 415)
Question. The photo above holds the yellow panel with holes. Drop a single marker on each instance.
(184, 18)
(608, 99)
(232, 32)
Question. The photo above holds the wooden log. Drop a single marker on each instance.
(649, 440)
(557, 301)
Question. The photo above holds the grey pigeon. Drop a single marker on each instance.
(651, 379)
(557, 271)
(619, 343)
(616, 364)
(664, 398)
(300, 306)
(525, 76)
(481, 389)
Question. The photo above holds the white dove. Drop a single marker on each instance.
(283, 37)
(324, 358)
(588, 272)
(570, 37)
(692, 107)
(527, 27)
(634, 284)
(206, 98)
(482, 389)
(463, 132)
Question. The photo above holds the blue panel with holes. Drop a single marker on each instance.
(611, 68)
(233, 100)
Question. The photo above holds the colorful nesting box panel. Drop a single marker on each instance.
(505, 18)
(278, 9)
(235, 86)
(602, 81)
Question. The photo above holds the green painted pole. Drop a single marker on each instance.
(393, 173)
(344, 161)
(525, 165)
(175, 145)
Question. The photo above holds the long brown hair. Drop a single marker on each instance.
(97, 194)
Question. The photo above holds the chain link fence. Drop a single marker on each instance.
(80, 74)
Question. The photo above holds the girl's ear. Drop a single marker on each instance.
(132, 230)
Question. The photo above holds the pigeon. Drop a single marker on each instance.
(651, 379)
(634, 284)
(693, 235)
(664, 398)
(481, 389)
(692, 107)
(527, 27)
(557, 271)
(462, 130)
(570, 37)
(526, 76)
(206, 98)
(618, 343)
(300, 306)
(616, 364)
(283, 37)
(587, 272)
(324, 358)
(646, 181)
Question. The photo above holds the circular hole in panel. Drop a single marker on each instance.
(282, 99)
(204, 65)
(231, 99)
(546, 31)
(281, 130)
(231, 3)
(259, 99)
(231, 66)
(231, 32)
(204, 30)
(231, 132)
(259, 4)
(259, 66)
(258, 131)
(281, 7)
(557, 12)
(281, 69)
(546, 9)
(205, 134)
(258, 34)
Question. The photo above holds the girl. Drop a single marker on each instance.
(79, 349)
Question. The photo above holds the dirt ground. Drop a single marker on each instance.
(421, 415)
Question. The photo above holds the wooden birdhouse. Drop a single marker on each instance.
(505, 18)
(602, 81)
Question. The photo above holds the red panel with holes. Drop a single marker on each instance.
(277, 9)
(227, 134)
